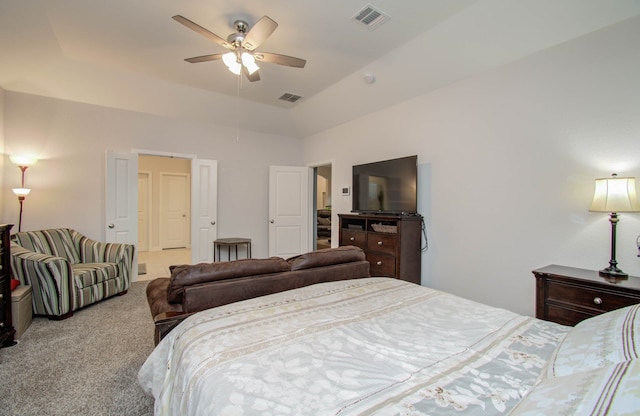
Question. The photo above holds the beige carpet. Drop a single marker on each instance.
(84, 365)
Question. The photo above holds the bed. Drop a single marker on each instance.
(387, 347)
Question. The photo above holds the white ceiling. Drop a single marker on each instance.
(130, 54)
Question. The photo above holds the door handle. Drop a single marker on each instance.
(112, 226)
(213, 223)
(272, 222)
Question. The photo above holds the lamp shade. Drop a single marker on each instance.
(615, 194)
(21, 191)
(23, 160)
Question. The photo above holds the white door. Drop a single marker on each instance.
(174, 210)
(204, 209)
(144, 209)
(288, 210)
(121, 220)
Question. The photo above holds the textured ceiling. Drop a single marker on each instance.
(130, 54)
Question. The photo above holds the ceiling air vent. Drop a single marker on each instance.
(292, 98)
(371, 17)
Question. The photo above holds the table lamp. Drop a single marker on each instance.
(614, 195)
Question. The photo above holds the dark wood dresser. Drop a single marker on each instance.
(568, 295)
(391, 243)
(7, 331)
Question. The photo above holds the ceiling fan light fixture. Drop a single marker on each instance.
(249, 62)
(241, 45)
(231, 61)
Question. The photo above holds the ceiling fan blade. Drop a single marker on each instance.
(276, 58)
(204, 58)
(199, 29)
(259, 33)
(251, 77)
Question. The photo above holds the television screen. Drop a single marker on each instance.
(387, 187)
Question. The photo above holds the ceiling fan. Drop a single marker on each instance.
(242, 55)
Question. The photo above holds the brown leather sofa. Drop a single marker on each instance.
(193, 288)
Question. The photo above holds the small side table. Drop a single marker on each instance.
(231, 242)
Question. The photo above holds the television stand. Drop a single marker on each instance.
(391, 242)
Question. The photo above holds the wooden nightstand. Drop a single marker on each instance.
(567, 295)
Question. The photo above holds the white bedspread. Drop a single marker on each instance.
(366, 346)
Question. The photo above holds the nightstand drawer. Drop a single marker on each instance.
(592, 298)
(565, 315)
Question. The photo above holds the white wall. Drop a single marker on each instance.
(71, 140)
(507, 163)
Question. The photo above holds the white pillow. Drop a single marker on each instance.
(602, 340)
(611, 390)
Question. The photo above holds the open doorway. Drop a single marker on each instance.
(164, 214)
(121, 204)
(322, 206)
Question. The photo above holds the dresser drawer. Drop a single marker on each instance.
(4, 304)
(353, 238)
(588, 297)
(384, 243)
(6, 328)
(381, 264)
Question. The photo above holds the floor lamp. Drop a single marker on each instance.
(614, 195)
(23, 163)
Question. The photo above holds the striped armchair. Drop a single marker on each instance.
(67, 270)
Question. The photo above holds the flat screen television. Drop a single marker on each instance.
(386, 187)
